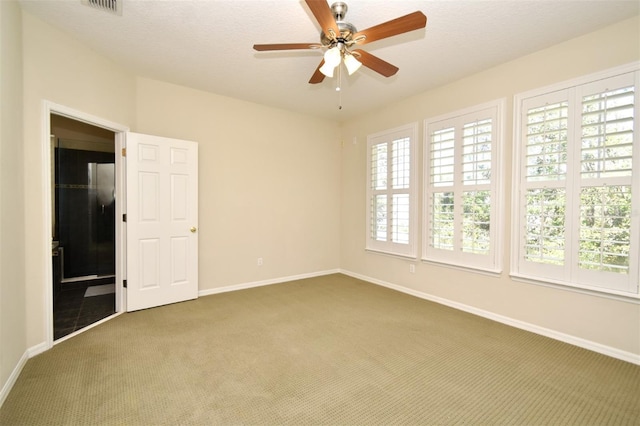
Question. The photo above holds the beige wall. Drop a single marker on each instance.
(269, 183)
(269, 179)
(596, 319)
(12, 290)
(59, 69)
(273, 184)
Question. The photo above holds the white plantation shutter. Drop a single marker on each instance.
(462, 188)
(477, 139)
(544, 182)
(546, 142)
(441, 166)
(575, 221)
(390, 191)
(604, 169)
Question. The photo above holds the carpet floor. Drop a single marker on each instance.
(327, 350)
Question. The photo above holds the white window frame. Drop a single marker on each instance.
(388, 246)
(490, 262)
(569, 275)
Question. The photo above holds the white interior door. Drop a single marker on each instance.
(162, 220)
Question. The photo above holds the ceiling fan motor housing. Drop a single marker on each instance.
(339, 10)
(347, 29)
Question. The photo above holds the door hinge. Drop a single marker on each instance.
(124, 283)
(124, 217)
(124, 152)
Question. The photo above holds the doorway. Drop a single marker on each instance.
(83, 216)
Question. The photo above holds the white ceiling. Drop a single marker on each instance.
(207, 44)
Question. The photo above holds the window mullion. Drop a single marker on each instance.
(572, 213)
(390, 192)
(458, 186)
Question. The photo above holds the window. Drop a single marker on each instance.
(577, 202)
(390, 191)
(462, 187)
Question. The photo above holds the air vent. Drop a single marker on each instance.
(111, 6)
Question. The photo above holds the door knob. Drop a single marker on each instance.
(193, 229)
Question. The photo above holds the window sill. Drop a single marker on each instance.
(392, 254)
(592, 291)
(466, 268)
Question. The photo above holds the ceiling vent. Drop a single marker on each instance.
(111, 6)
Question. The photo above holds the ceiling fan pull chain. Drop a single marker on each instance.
(338, 88)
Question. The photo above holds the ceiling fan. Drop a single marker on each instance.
(339, 37)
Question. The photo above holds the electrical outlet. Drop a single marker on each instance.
(412, 268)
(260, 262)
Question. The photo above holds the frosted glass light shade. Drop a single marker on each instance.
(327, 69)
(332, 59)
(351, 63)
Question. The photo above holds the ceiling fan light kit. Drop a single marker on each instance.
(336, 54)
(338, 37)
(332, 59)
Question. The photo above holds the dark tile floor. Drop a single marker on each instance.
(72, 311)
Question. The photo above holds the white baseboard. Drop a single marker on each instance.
(29, 353)
(567, 338)
(13, 377)
(38, 349)
(252, 284)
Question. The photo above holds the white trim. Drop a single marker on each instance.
(253, 284)
(47, 236)
(569, 275)
(462, 267)
(49, 108)
(88, 327)
(13, 377)
(584, 289)
(37, 349)
(410, 249)
(492, 262)
(553, 334)
(392, 254)
(500, 103)
(579, 81)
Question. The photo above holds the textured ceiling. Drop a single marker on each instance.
(207, 45)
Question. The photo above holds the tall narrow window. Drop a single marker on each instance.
(462, 190)
(390, 191)
(546, 174)
(574, 162)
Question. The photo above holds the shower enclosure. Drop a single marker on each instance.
(84, 211)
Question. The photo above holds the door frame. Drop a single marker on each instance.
(120, 199)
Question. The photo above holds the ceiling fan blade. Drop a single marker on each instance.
(286, 46)
(375, 63)
(324, 16)
(404, 24)
(317, 76)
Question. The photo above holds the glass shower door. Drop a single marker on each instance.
(105, 219)
(85, 212)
